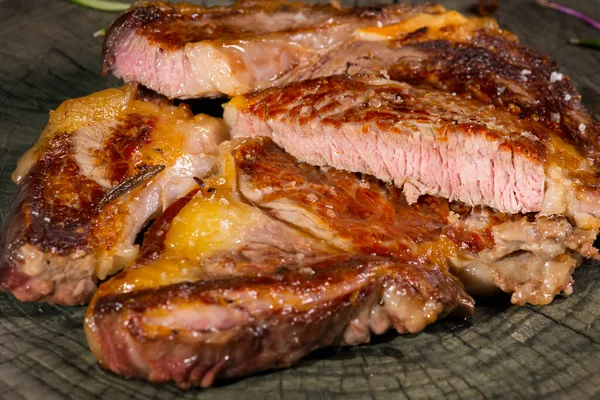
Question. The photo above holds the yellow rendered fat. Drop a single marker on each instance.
(565, 155)
(449, 25)
(213, 222)
(208, 225)
(167, 271)
(76, 113)
(432, 22)
(438, 252)
(237, 102)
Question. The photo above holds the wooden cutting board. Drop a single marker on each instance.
(48, 55)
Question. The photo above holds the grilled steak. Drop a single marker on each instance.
(530, 256)
(162, 46)
(67, 225)
(450, 52)
(428, 141)
(273, 258)
(189, 51)
(233, 290)
(480, 60)
(389, 162)
(235, 326)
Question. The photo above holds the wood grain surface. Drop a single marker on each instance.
(48, 54)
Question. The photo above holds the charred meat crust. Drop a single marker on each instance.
(59, 204)
(494, 69)
(168, 25)
(489, 65)
(256, 338)
(126, 138)
(383, 107)
(53, 212)
(145, 16)
(62, 203)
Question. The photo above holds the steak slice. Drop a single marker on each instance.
(90, 185)
(187, 51)
(272, 258)
(194, 332)
(426, 140)
(530, 256)
(466, 55)
(222, 289)
(523, 93)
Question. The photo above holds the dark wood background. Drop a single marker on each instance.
(48, 55)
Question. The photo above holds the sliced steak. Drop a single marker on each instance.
(90, 184)
(247, 292)
(194, 332)
(428, 141)
(518, 90)
(187, 51)
(272, 258)
(362, 215)
(450, 52)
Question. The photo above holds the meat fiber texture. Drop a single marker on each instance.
(236, 290)
(427, 141)
(545, 163)
(185, 51)
(272, 258)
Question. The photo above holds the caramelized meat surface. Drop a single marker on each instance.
(425, 140)
(187, 51)
(104, 166)
(194, 332)
(388, 162)
(272, 258)
(530, 256)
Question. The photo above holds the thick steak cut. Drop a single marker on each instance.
(498, 123)
(530, 256)
(104, 166)
(272, 258)
(194, 332)
(425, 140)
(187, 51)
